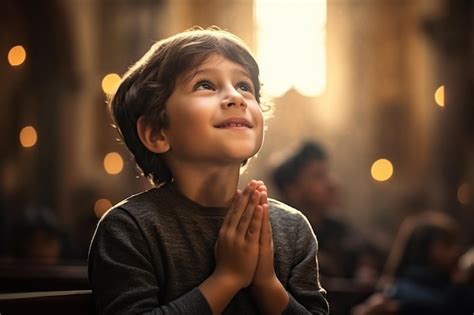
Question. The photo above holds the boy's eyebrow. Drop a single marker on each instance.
(244, 72)
(191, 74)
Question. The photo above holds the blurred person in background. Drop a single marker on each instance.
(304, 182)
(37, 238)
(424, 273)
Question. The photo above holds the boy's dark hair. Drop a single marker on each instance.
(148, 84)
(288, 171)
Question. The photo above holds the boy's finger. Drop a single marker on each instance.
(263, 189)
(231, 210)
(255, 227)
(263, 197)
(241, 205)
(266, 235)
(247, 215)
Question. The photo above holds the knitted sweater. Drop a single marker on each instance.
(151, 251)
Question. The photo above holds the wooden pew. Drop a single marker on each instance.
(66, 280)
(51, 302)
(17, 277)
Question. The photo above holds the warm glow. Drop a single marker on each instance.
(439, 96)
(28, 137)
(101, 206)
(463, 194)
(110, 83)
(113, 163)
(291, 47)
(16, 55)
(382, 170)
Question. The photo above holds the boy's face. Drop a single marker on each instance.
(213, 114)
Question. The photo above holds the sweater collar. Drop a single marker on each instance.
(191, 206)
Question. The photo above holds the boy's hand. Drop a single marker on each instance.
(236, 250)
(237, 246)
(266, 288)
(265, 272)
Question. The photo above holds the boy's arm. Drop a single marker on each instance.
(236, 250)
(304, 295)
(269, 293)
(121, 274)
(305, 291)
(125, 281)
(266, 288)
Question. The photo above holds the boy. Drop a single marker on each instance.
(189, 112)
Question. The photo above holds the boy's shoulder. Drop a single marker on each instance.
(282, 208)
(289, 226)
(281, 212)
(141, 199)
(140, 204)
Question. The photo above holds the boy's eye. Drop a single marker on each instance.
(244, 86)
(203, 85)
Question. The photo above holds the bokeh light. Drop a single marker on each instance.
(439, 96)
(101, 206)
(28, 136)
(113, 163)
(382, 170)
(110, 83)
(16, 55)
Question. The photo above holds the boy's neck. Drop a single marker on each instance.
(209, 187)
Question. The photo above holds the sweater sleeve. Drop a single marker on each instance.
(123, 277)
(306, 296)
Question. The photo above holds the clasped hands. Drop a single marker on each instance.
(244, 249)
(244, 255)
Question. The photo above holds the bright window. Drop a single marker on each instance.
(291, 45)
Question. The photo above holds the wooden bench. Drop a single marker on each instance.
(54, 290)
(16, 277)
(50, 302)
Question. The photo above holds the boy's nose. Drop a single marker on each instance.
(233, 99)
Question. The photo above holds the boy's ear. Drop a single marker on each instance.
(154, 139)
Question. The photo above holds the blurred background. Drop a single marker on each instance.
(384, 86)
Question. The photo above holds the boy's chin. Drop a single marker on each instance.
(242, 152)
(239, 159)
(235, 159)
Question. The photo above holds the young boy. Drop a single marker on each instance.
(189, 112)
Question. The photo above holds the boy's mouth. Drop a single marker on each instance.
(235, 123)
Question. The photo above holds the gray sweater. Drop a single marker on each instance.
(151, 251)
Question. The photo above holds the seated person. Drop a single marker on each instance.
(422, 275)
(304, 182)
(38, 239)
